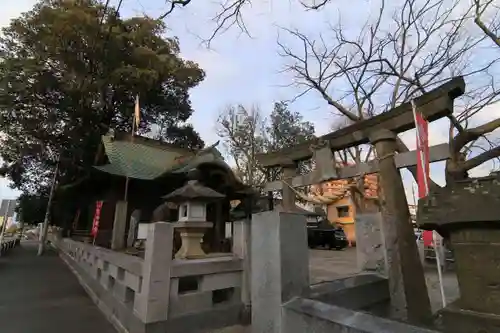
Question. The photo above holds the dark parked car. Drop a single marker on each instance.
(322, 233)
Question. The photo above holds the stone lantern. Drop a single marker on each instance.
(467, 214)
(192, 200)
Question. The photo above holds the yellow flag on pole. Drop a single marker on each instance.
(137, 115)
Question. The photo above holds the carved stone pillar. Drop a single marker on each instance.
(132, 230)
(119, 226)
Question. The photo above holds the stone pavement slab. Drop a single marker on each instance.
(41, 295)
(234, 329)
(327, 265)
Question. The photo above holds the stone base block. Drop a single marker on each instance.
(191, 234)
(477, 253)
(456, 320)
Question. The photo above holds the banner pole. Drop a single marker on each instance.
(426, 186)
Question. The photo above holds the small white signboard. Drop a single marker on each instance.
(142, 230)
(229, 230)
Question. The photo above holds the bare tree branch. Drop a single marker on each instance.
(473, 134)
(481, 158)
(242, 133)
(479, 11)
(391, 62)
(173, 4)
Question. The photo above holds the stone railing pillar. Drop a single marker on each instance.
(280, 266)
(242, 249)
(152, 301)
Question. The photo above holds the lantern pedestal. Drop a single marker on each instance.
(468, 215)
(192, 233)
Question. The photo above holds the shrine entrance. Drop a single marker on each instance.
(408, 291)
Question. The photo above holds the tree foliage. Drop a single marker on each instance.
(245, 133)
(31, 208)
(286, 128)
(69, 72)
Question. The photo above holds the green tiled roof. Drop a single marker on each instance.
(141, 161)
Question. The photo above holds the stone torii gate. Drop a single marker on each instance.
(409, 297)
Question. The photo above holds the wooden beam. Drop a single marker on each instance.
(435, 104)
(436, 153)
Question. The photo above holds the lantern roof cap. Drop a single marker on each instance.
(194, 191)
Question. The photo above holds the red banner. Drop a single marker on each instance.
(427, 237)
(423, 169)
(423, 177)
(97, 216)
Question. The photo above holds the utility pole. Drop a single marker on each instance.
(45, 227)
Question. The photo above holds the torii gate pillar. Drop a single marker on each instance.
(409, 297)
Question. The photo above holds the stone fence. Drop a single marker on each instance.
(7, 245)
(158, 293)
(308, 315)
(283, 300)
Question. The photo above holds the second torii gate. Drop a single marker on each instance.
(408, 290)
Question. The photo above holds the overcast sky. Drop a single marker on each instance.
(248, 70)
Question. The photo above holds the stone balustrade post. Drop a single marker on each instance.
(151, 304)
(241, 249)
(280, 266)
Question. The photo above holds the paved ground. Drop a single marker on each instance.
(41, 295)
(326, 265)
